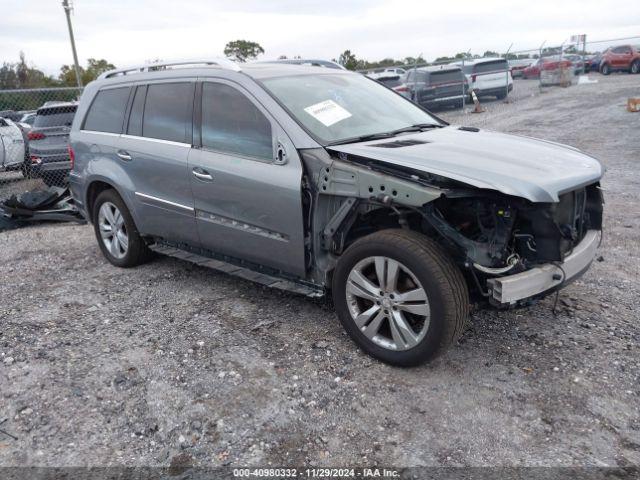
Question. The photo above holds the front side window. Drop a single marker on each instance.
(106, 113)
(167, 112)
(232, 123)
(340, 106)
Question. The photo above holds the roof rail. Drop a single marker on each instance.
(150, 67)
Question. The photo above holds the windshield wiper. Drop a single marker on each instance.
(364, 138)
(418, 127)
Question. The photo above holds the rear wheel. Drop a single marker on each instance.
(635, 67)
(605, 69)
(116, 232)
(400, 297)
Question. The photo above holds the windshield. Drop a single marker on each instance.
(335, 107)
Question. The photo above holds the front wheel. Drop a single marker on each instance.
(116, 232)
(400, 297)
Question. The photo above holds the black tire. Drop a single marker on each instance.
(635, 67)
(440, 278)
(137, 251)
(501, 96)
(605, 69)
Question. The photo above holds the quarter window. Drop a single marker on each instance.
(167, 112)
(106, 113)
(232, 123)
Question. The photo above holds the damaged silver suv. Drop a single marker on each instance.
(317, 180)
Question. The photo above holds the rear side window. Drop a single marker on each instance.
(491, 67)
(55, 117)
(106, 113)
(232, 123)
(167, 112)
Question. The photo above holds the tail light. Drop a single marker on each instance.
(35, 135)
(72, 156)
(403, 88)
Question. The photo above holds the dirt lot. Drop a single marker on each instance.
(173, 362)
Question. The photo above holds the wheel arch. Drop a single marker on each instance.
(97, 185)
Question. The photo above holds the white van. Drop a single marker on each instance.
(488, 76)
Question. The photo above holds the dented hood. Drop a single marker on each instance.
(534, 169)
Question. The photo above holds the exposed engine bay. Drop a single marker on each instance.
(489, 234)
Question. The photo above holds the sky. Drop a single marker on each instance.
(130, 32)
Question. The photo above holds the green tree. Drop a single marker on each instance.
(21, 75)
(414, 60)
(242, 50)
(490, 53)
(87, 74)
(348, 60)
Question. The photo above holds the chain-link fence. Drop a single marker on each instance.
(34, 137)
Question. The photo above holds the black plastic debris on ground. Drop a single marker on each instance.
(53, 203)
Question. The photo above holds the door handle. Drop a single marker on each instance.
(123, 155)
(201, 174)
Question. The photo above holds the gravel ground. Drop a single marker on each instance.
(171, 363)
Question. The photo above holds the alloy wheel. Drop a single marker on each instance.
(388, 303)
(113, 230)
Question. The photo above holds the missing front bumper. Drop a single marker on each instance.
(512, 288)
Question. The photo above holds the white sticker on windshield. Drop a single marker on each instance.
(327, 112)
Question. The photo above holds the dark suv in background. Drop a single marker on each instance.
(437, 86)
(49, 142)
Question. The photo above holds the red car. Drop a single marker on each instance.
(624, 57)
(533, 70)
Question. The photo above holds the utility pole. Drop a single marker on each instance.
(67, 11)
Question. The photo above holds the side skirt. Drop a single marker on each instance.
(238, 268)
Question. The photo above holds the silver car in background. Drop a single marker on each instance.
(49, 142)
(320, 181)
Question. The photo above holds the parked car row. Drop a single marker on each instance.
(440, 86)
(623, 58)
(37, 145)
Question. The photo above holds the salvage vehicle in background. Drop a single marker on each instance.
(549, 64)
(49, 142)
(488, 76)
(317, 180)
(622, 58)
(577, 61)
(517, 66)
(437, 86)
(12, 147)
(593, 65)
